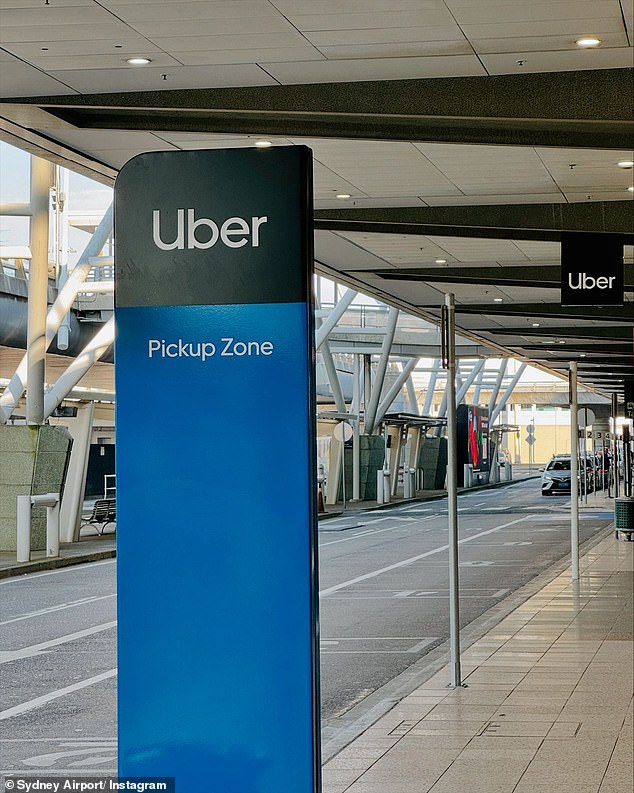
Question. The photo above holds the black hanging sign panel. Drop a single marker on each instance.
(591, 269)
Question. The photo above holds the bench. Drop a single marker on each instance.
(103, 512)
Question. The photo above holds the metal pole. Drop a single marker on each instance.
(356, 452)
(452, 489)
(367, 389)
(343, 469)
(574, 473)
(41, 180)
(615, 448)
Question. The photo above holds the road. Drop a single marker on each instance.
(384, 602)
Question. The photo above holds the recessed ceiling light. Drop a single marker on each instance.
(263, 144)
(626, 164)
(631, 188)
(588, 41)
(535, 324)
(497, 300)
(343, 195)
(138, 61)
(582, 355)
(441, 261)
(561, 341)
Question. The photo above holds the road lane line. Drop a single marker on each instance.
(372, 531)
(68, 569)
(61, 607)
(17, 710)
(412, 559)
(34, 649)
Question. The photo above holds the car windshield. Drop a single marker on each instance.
(559, 465)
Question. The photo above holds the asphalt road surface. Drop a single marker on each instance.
(384, 604)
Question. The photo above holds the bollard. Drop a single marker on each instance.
(379, 486)
(387, 491)
(23, 545)
(24, 529)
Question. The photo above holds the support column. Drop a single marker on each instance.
(431, 387)
(356, 410)
(370, 418)
(509, 390)
(574, 473)
(81, 430)
(498, 384)
(41, 180)
(449, 330)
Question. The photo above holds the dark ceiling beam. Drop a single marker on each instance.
(606, 332)
(554, 310)
(533, 276)
(614, 348)
(590, 108)
(515, 221)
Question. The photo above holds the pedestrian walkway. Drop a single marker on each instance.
(547, 706)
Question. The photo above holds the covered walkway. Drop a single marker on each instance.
(546, 707)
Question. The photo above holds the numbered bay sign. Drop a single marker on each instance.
(215, 413)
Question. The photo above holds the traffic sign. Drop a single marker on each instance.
(530, 439)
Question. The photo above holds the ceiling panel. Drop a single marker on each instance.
(151, 79)
(569, 60)
(377, 69)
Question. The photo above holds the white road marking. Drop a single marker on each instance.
(371, 531)
(421, 645)
(412, 559)
(67, 569)
(34, 649)
(24, 707)
(61, 607)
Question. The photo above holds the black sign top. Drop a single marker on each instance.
(223, 226)
(591, 269)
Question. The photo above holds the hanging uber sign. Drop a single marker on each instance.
(591, 269)
(216, 527)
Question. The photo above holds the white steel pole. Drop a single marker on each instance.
(41, 180)
(91, 353)
(452, 490)
(371, 410)
(322, 332)
(356, 408)
(57, 312)
(574, 473)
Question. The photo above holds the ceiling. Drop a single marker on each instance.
(466, 132)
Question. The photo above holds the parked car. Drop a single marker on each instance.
(557, 476)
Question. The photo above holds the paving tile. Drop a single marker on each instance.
(459, 710)
(488, 773)
(447, 727)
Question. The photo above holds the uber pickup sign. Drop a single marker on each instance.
(216, 512)
(591, 270)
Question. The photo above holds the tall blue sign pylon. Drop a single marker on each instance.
(215, 420)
